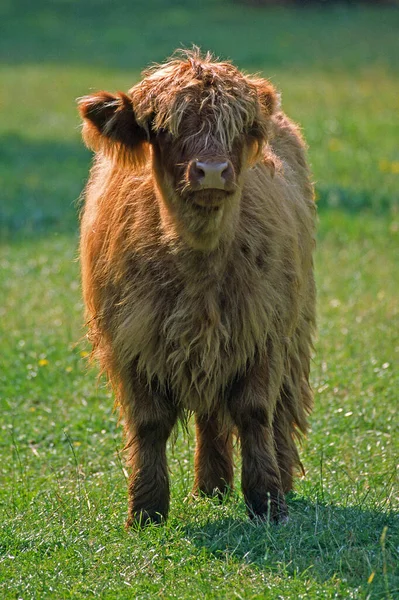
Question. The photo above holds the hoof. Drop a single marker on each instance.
(143, 518)
(269, 509)
(218, 492)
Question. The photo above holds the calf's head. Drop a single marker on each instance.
(202, 124)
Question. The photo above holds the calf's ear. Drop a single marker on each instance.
(268, 97)
(110, 125)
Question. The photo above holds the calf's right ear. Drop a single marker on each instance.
(110, 125)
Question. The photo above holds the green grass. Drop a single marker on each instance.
(63, 492)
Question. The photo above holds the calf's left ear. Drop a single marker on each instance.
(268, 97)
(110, 125)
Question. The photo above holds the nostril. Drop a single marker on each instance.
(228, 173)
(221, 168)
(200, 172)
(225, 173)
(195, 173)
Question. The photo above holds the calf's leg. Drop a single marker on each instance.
(285, 451)
(260, 475)
(149, 420)
(213, 456)
(289, 418)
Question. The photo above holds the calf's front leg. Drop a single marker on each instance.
(149, 420)
(260, 474)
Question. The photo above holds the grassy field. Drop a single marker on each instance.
(63, 488)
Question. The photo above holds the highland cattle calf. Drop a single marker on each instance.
(196, 251)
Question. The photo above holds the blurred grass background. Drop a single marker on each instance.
(63, 495)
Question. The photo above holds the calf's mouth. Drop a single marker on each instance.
(209, 201)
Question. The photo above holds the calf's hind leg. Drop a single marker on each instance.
(213, 456)
(290, 417)
(149, 420)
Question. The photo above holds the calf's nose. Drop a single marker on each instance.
(211, 175)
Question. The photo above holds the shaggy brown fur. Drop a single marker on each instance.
(201, 299)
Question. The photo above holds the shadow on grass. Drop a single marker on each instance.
(353, 201)
(41, 184)
(320, 542)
